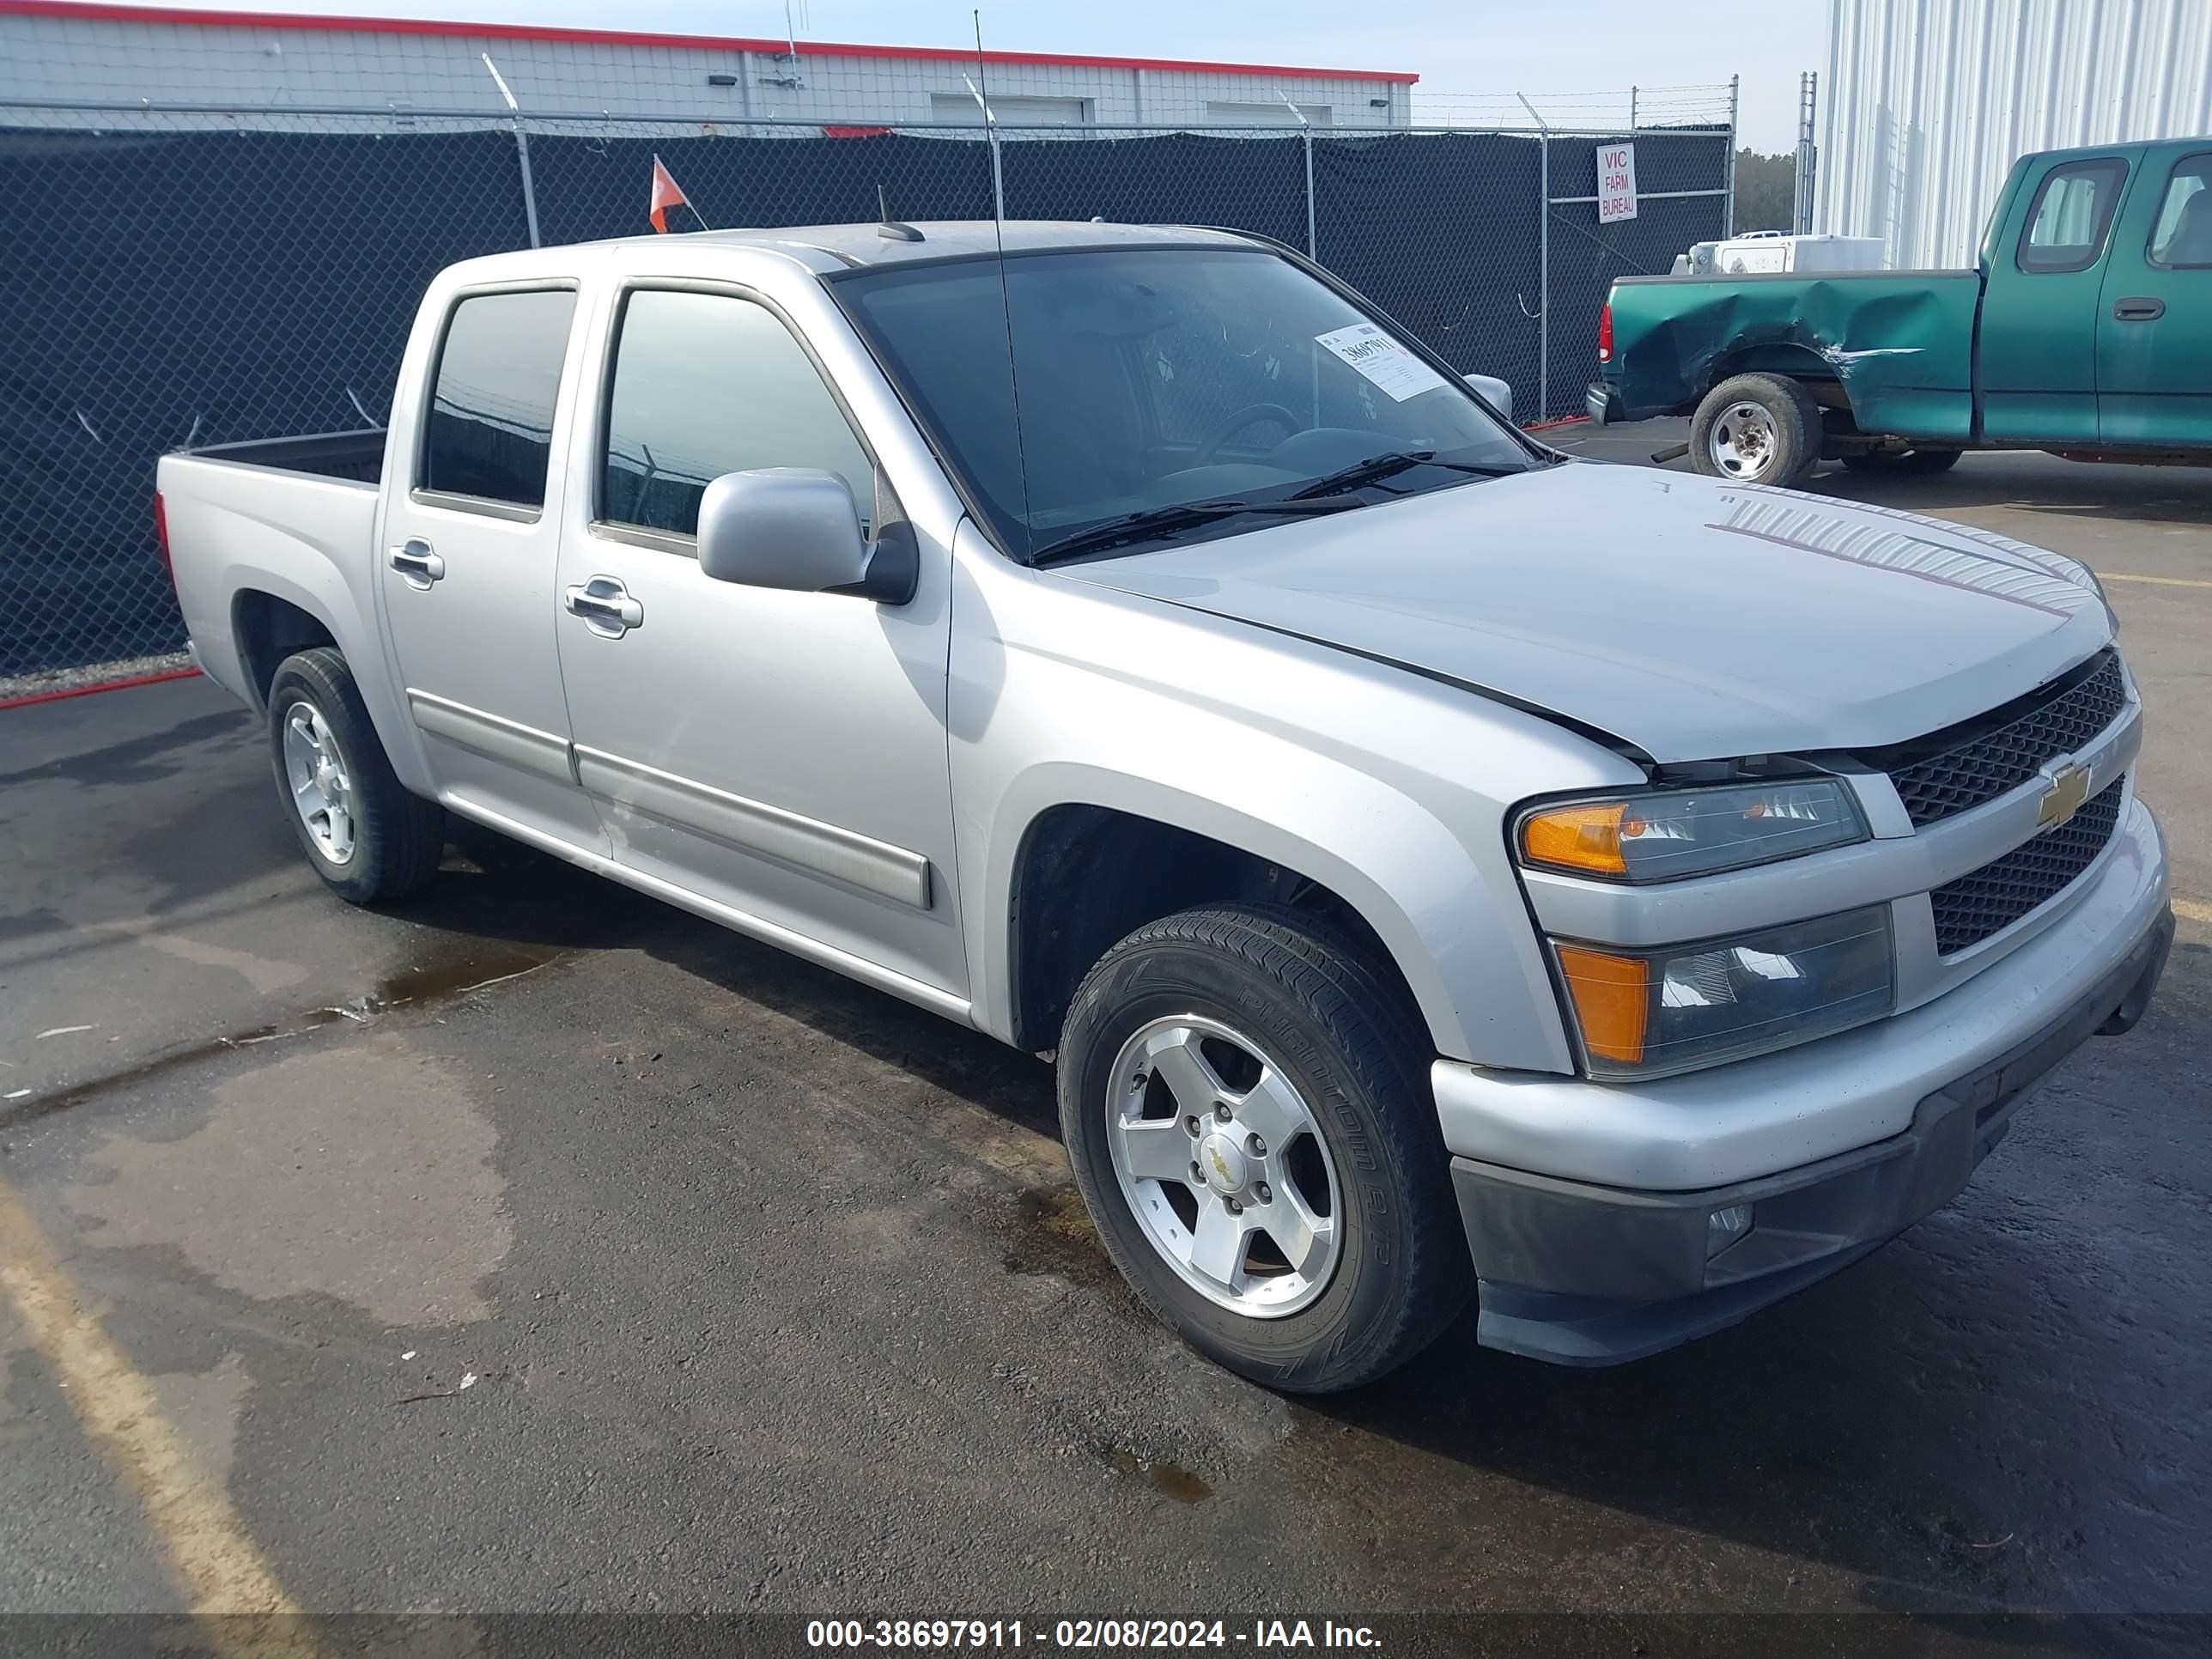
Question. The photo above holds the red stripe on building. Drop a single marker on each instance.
(77, 11)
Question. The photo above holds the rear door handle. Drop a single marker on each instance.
(606, 606)
(2138, 308)
(417, 563)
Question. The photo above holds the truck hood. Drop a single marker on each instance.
(1695, 620)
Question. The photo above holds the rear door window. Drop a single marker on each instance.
(491, 428)
(2073, 211)
(2181, 236)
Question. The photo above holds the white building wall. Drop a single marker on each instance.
(1927, 103)
(252, 65)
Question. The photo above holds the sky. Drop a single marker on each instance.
(1485, 48)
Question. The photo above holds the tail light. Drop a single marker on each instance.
(1605, 332)
(162, 537)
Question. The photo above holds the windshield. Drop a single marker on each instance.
(1150, 378)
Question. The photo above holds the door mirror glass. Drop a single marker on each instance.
(792, 527)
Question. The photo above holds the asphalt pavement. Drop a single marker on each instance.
(534, 1247)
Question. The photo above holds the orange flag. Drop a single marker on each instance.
(667, 194)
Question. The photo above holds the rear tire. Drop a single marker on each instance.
(369, 838)
(1305, 1070)
(1756, 428)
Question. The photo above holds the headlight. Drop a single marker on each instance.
(1664, 836)
(1648, 1013)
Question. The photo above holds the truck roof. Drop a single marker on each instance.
(838, 248)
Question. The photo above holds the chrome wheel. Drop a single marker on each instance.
(322, 793)
(1742, 442)
(1223, 1166)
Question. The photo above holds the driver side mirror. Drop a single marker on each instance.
(799, 529)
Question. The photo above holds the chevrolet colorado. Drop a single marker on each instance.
(1438, 867)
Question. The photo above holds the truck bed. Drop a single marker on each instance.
(355, 457)
(1900, 342)
(281, 521)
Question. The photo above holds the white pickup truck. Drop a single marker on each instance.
(1439, 867)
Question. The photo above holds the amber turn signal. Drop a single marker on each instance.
(1584, 837)
(1611, 999)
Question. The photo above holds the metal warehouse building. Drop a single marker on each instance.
(58, 51)
(1930, 102)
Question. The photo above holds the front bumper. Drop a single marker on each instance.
(1586, 1275)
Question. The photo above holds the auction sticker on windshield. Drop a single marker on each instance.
(1382, 360)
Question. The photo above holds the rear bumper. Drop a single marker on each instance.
(1590, 1275)
(1603, 404)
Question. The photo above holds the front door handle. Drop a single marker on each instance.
(606, 606)
(417, 563)
(2138, 308)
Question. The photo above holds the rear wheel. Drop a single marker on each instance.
(367, 835)
(1756, 428)
(1245, 1104)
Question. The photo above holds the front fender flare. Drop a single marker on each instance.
(1470, 963)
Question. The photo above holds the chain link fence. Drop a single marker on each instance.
(178, 277)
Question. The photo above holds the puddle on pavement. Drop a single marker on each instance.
(406, 1221)
(483, 966)
(1169, 1479)
(1053, 1234)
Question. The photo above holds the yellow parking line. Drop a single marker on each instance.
(2192, 909)
(213, 1560)
(2162, 581)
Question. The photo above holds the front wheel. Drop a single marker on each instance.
(1756, 428)
(1245, 1104)
(367, 837)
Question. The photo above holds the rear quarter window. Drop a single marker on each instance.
(489, 431)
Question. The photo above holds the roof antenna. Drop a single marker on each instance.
(982, 90)
(888, 227)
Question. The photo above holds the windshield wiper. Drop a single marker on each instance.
(1376, 468)
(1165, 521)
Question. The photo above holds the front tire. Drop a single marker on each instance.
(1756, 428)
(369, 838)
(1245, 1103)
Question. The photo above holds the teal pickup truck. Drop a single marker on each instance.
(2084, 330)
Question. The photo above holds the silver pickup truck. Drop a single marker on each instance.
(1437, 866)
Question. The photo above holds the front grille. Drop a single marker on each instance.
(1988, 763)
(1970, 909)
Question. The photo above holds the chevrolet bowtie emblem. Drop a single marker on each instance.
(2070, 787)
